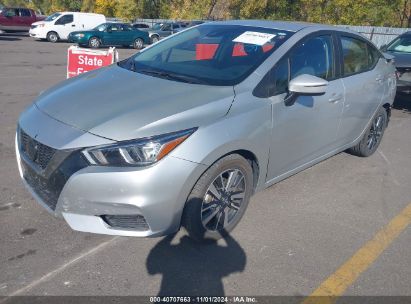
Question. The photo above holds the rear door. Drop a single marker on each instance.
(26, 18)
(365, 80)
(308, 129)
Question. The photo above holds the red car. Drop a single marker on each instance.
(14, 19)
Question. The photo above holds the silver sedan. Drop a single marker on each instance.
(183, 133)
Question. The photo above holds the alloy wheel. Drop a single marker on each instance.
(376, 130)
(223, 200)
(94, 43)
(138, 43)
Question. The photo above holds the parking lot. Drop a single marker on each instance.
(293, 237)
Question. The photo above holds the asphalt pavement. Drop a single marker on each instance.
(293, 236)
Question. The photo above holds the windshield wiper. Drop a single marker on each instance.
(172, 76)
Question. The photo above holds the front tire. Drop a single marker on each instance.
(138, 43)
(154, 39)
(373, 136)
(219, 199)
(94, 43)
(52, 37)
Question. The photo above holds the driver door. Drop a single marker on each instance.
(306, 130)
(65, 25)
(113, 35)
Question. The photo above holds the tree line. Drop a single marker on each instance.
(395, 13)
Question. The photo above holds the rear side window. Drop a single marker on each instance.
(315, 57)
(65, 19)
(358, 56)
(25, 13)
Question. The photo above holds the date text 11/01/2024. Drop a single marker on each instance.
(234, 299)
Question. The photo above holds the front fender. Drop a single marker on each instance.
(246, 127)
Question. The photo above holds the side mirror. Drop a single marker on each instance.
(108, 30)
(307, 85)
(383, 48)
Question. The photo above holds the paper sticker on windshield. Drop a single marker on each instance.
(254, 38)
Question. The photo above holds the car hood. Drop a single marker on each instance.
(119, 104)
(402, 60)
(39, 22)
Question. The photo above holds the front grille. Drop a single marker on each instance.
(37, 152)
(134, 222)
(47, 185)
(41, 186)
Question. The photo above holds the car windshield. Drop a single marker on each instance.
(101, 27)
(402, 44)
(157, 26)
(209, 54)
(52, 17)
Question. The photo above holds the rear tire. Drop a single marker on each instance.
(373, 136)
(52, 37)
(219, 199)
(94, 43)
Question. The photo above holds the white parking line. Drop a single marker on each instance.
(60, 269)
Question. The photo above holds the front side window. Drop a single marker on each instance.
(115, 27)
(101, 27)
(314, 56)
(209, 54)
(401, 44)
(355, 55)
(275, 82)
(65, 19)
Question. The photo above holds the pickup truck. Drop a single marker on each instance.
(15, 19)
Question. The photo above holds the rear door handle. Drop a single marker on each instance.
(335, 98)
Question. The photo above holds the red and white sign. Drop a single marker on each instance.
(81, 60)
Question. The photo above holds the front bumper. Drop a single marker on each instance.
(77, 40)
(37, 33)
(156, 193)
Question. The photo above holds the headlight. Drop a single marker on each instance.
(140, 152)
(80, 35)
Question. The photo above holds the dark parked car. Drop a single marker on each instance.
(400, 48)
(140, 25)
(14, 19)
(161, 30)
(110, 34)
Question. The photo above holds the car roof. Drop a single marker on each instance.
(292, 26)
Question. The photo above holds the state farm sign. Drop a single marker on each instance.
(81, 60)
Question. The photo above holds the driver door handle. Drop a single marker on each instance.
(335, 98)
